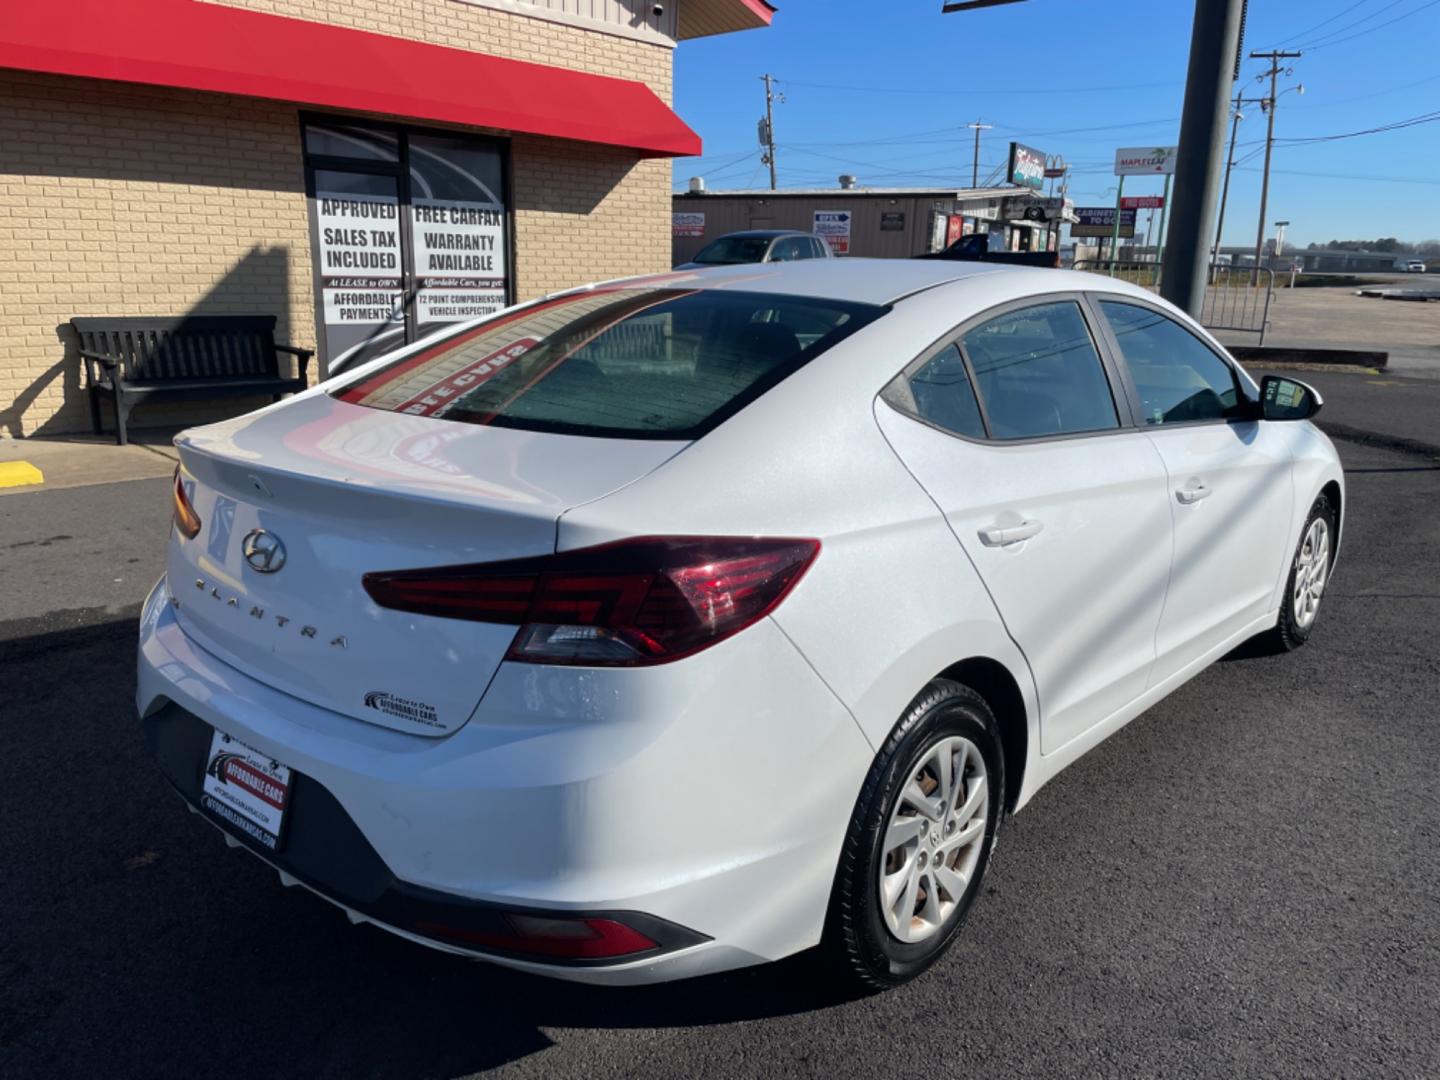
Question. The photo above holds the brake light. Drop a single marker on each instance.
(186, 520)
(634, 602)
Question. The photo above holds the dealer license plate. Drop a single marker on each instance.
(246, 789)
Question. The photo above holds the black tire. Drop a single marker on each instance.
(1289, 633)
(858, 939)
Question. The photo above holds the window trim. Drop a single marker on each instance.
(1125, 414)
(1132, 393)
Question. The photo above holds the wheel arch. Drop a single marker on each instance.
(993, 681)
(1332, 492)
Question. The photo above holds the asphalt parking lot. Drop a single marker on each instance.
(1243, 882)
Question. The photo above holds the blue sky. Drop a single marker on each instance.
(883, 90)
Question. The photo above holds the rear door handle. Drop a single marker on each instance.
(1192, 493)
(1001, 535)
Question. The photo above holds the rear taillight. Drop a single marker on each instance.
(644, 601)
(186, 520)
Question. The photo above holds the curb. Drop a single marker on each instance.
(1268, 354)
(1398, 443)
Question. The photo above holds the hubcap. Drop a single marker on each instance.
(1312, 569)
(932, 843)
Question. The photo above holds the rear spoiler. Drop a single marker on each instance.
(976, 248)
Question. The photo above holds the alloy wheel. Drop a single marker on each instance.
(1312, 570)
(934, 838)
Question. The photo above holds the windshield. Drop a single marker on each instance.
(733, 249)
(627, 363)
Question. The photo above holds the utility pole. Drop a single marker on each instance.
(1214, 54)
(767, 127)
(975, 166)
(1275, 56)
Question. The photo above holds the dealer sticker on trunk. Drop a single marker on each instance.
(246, 789)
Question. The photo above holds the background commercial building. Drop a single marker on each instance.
(365, 171)
(893, 223)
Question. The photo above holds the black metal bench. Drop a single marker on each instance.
(186, 359)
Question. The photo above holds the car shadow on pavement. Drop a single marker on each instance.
(136, 942)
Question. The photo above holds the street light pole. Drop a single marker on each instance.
(1240, 102)
(1214, 43)
(1274, 56)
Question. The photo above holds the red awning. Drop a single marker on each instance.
(200, 46)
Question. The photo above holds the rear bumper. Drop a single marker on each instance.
(704, 807)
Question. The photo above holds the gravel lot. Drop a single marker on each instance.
(1241, 883)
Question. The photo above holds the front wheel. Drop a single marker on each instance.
(1309, 574)
(920, 837)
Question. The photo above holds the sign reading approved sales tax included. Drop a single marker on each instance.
(360, 273)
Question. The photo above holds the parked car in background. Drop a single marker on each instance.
(1415, 266)
(759, 246)
(683, 623)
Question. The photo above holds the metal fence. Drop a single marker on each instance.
(1231, 301)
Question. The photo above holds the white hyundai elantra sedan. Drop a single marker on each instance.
(686, 622)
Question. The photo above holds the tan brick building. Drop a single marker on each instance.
(364, 170)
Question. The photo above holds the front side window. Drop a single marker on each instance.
(1178, 378)
(1038, 373)
(730, 250)
(818, 250)
(621, 363)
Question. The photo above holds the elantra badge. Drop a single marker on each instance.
(264, 553)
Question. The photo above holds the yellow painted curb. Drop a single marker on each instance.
(19, 473)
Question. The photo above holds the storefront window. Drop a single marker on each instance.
(411, 233)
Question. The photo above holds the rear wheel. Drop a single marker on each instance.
(920, 838)
(1309, 574)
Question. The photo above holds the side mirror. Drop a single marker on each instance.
(1288, 399)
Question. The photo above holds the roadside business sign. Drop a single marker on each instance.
(1145, 161)
(833, 226)
(687, 224)
(892, 221)
(1027, 166)
(1100, 221)
(1142, 202)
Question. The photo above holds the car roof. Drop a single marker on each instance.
(866, 281)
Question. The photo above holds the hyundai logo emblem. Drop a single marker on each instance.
(263, 551)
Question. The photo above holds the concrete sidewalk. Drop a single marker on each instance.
(1335, 318)
(80, 460)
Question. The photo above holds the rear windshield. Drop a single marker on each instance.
(620, 363)
(733, 249)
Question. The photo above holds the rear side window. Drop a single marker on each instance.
(943, 395)
(1038, 373)
(1178, 378)
(618, 363)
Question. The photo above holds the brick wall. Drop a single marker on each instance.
(127, 200)
(123, 200)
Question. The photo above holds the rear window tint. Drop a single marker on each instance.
(626, 363)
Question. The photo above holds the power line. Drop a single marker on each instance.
(1398, 125)
(1389, 22)
(1317, 26)
(950, 92)
(1357, 22)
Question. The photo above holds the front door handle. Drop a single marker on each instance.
(1192, 493)
(1001, 535)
